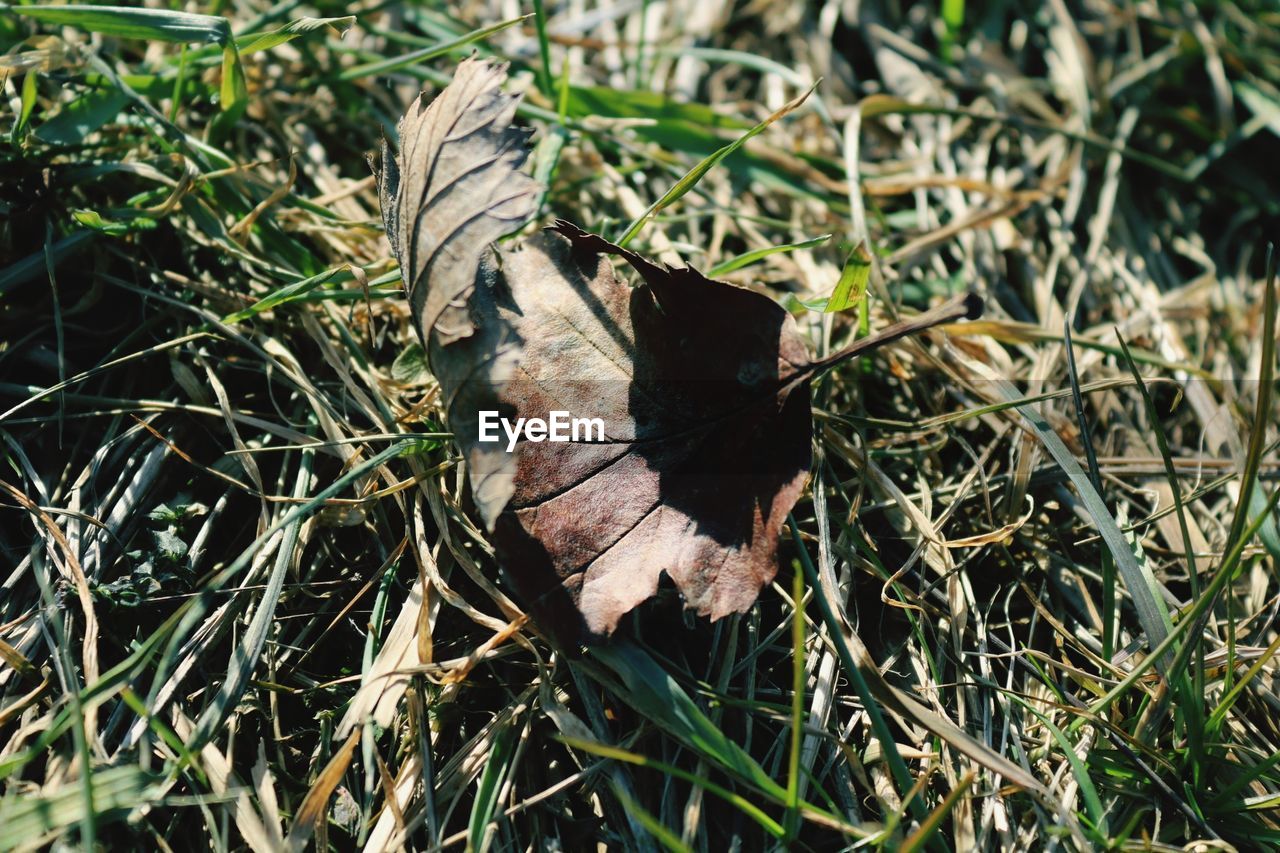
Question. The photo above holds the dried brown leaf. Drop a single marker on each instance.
(705, 449)
(702, 389)
(464, 191)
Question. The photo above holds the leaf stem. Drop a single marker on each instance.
(966, 306)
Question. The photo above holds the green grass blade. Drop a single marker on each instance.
(755, 62)
(1109, 597)
(133, 22)
(292, 30)
(1249, 501)
(1192, 701)
(661, 833)
(691, 178)
(158, 25)
(737, 800)
(931, 824)
(1088, 791)
(487, 801)
(116, 792)
(1190, 618)
(797, 704)
(1219, 714)
(656, 107)
(234, 91)
(544, 49)
(888, 747)
(851, 288)
(34, 266)
(655, 694)
(1147, 595)
(1242, 777)
(246, 656)
(83, 116)
(952, 20)
(27, 104)
(289, 293)
(746, 259)
(395, 63)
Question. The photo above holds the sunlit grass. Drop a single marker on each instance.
(245, 605)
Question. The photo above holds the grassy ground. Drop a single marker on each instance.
(242, 603)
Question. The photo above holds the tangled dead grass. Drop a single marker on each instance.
(247, 606)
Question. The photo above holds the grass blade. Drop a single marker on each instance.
(691, 178)
(1095, 476)
(797, 704)
(291, 31)
(83, 116)
(851, 288)
(888, 747)
(917, 840)
(395, 63)
(664, 836)
(737, 800)
(1088, 791)
(135, 22)
(316, 802)
(1250, 500)
(1192, 699)
(255, 637)
(652, 692)
(487, 801)
(746, 259)
(1146, 592)
(116, 792)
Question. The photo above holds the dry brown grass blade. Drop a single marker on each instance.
(316, 803)
(89, 645)
(14, 709)
(899, 703)
(384, 684)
